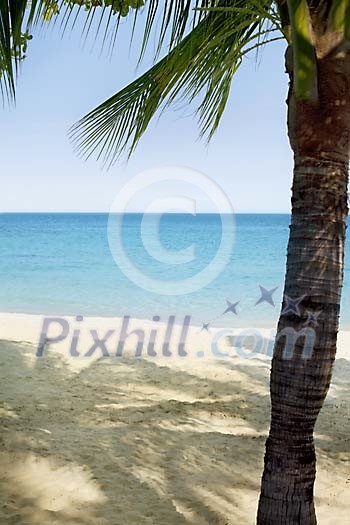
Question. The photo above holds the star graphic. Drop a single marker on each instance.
(266, 296)
(231, 307)
(312, 318)
(205, 326)
(292, 305)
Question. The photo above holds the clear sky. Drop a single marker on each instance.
(61, 80)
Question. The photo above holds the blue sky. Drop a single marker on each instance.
(61, 80)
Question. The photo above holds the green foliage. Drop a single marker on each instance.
(13, 43)
(305, 68)
(18, 52)
(201, 65)
(51, 9)
(118, 7)
(340, 17)
(203, 41)
(17, 16)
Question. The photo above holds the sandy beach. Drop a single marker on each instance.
(101, 440)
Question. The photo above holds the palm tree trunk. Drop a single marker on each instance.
(319, 135)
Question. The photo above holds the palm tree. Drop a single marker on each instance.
(204, 42)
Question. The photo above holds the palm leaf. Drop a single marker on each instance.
(203, 62)
(16, 17)
(11, 17)
(170, 18)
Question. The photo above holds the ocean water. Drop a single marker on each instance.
(62, 264)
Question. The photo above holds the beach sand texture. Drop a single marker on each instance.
(105, 441)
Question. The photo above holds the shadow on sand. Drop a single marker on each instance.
(130, 442)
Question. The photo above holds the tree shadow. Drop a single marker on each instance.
(131, 442)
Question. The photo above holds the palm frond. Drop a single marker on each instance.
(11, 19)
(203, 62)
(168, 18)
(175, 17)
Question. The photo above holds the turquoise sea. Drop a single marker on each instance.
(62, 264)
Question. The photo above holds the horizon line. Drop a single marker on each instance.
(141, 213)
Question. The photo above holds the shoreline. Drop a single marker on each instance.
(194, 340)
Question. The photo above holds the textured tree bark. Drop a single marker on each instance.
(319, 136)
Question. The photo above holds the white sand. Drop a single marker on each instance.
(150, 441)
